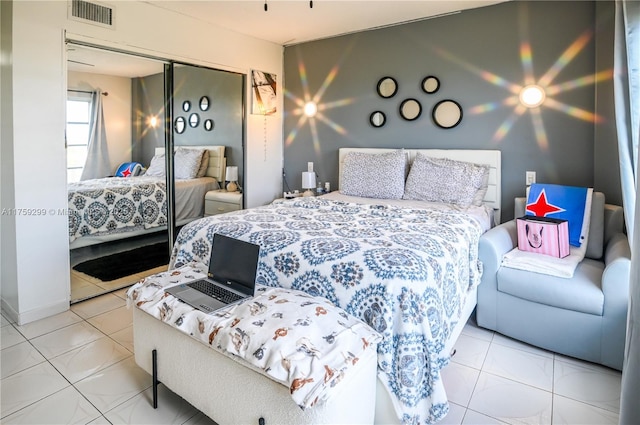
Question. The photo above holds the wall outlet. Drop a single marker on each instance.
(530, 177)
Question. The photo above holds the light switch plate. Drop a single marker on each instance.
(530, 177)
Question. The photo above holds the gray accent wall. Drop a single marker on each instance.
(225, 91)
(147, 99)
(480, 57)
(606, 169)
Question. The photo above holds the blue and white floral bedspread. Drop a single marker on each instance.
(405, 272)
(112, 204)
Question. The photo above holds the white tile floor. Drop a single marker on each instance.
(78, 367)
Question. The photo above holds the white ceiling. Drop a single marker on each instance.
(95, 61)
(286, 22)
(289, 22)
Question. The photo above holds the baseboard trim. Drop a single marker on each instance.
(35, 314)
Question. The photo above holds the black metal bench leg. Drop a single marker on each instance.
(154, 365)
(154, 375)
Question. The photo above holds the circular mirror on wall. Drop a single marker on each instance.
(377, 118)
(179, 125)
(208, 124)
(447, 113)
(186, 105)
(430, 84)
(204, 103)
(410, 109)
(194, 120)
(387, 87)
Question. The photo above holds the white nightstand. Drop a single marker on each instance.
(220, 201)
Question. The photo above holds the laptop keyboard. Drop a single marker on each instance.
(215, 291)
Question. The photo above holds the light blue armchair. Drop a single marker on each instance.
(583, 317)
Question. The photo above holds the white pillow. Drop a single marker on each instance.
(186, 163)
(447, 181)
(204, 164)
(378, 176)
(156, 166)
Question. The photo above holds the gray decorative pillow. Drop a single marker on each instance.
(446, 180)
(204, 164)
(478, 199)
(187, 163)
(378, 176)
(156, 166)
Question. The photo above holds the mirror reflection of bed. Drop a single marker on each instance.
(113, 247)
(118, 224)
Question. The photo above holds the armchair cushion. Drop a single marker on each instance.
(582, 293)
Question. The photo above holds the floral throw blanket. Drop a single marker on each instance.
(405, 272)
(301, 341)
(112, 204)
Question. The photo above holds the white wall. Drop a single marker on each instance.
(116, 106)
(39, 84)
(8, 269)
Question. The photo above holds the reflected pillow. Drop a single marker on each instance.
(204, 164)
(371, 175)
(186, 163)
(129, 169)
(447, 181)
(156, 167)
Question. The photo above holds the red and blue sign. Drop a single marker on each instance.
(561, 202)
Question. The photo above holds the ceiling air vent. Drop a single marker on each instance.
(91, 13)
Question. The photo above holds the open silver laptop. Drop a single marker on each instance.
(231, 277)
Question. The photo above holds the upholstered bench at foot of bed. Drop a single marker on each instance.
(233, 393)
(281, 357)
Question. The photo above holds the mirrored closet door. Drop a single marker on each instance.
(127, 199)
(208, 114)
(117, 214)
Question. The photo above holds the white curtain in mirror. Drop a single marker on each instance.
(97, 164)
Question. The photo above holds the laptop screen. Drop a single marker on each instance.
(235, 261)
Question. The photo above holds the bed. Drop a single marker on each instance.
(407, 267)
(113, 208)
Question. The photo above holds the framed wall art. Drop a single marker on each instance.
(263, 90)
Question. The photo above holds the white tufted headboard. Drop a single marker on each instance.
(491, 157)
(217, 161)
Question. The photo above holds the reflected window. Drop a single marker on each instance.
(78, 113)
